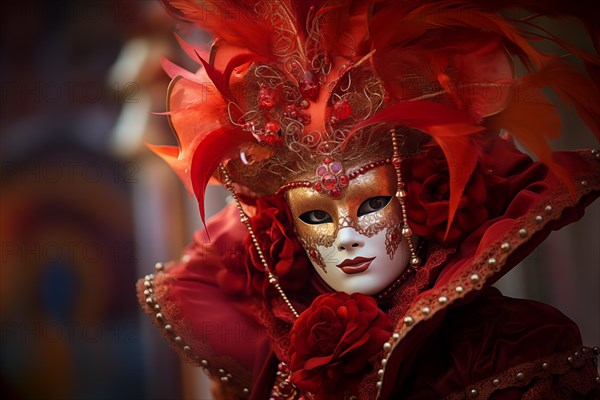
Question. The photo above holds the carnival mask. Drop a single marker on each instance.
(353, 241)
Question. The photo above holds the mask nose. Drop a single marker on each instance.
(349, 239)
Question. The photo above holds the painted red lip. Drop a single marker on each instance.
(356, 265)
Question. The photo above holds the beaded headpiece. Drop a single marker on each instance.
(306, 93)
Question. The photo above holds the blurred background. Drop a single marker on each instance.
(86, 208)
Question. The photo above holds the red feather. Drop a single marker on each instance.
(191, 51)
(217, 78)
(236, 22)
(213, 149)
(532, 119)
(412, 25)
(450, 128)
(174, 70)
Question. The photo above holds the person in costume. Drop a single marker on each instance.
(377, 194)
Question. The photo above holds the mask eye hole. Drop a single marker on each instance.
(373, 204)
(316, 217)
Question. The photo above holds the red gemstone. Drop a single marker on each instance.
(270, 138)
(329, 181)
(327, 160)
(318, 187)
(309, 87)
(321, 170)
(342, 110)
(266, 97)
(272, 127)
(396, 161)
(343, 180)
(335, 193)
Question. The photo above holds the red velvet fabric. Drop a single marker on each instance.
(481, 339)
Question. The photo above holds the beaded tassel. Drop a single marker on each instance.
(415, 261)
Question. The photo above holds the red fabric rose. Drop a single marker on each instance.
(274, 229)
(332, 342)
(427, 202)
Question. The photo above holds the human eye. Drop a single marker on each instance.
(373, 204)
(315, 217)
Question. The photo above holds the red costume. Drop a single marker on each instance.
(244, 301)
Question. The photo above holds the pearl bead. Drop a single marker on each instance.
(520, 376)
(523, 232)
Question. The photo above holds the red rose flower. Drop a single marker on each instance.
(332, 342)
(427, 202)
(274, 229)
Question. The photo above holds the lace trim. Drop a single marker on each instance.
(524, 374)
(402, 299)
(277, 330)
(152, 291)
(491, 261)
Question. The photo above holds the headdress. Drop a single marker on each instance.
(291, 89)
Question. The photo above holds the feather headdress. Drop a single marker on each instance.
(288, 83)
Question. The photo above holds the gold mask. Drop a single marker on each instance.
(367, 205)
